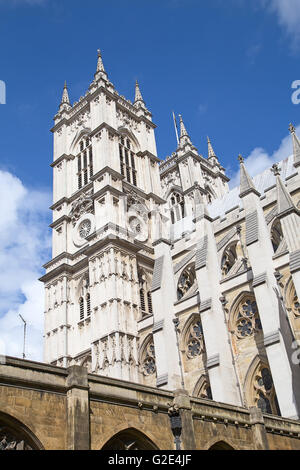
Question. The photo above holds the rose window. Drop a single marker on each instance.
(85, 228)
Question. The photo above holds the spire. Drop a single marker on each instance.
(246, 183)
(211, 152)
(284, 201)
(183, 131)
(138, 94)
(296, 145)
(100, 66)
(65, 101)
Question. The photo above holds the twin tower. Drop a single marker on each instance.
(159, 274)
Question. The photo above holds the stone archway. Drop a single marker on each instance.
(14, 435)
(129, 439)
(221, 445)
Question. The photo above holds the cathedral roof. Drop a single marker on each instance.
(262, 182)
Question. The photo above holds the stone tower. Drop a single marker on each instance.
(106, 190)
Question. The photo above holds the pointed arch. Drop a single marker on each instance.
(191, 338)
(147, 359)
(187, 281)
(202, 388)
(244, 315)
(81, 133)
(14, 435)
(259, 387)
(130, 439)
(291, 299)
(127, 133)
(231, 258)
(277, 238)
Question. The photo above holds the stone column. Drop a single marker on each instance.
(163, 297)
(183, 403)
(260, 441)
(78, 423)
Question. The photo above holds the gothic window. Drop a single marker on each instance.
(202, 388)
(195, 342)
(264, 391)
(177, 208)
(187, 281)
(276, 235)
(148, 365)
(145, 293)
(127, 160)
(292, 300)
(84, 299)
(229, 259)
(205, 391)
(247, 319)
(84, 162)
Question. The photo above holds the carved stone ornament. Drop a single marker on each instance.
(83, 205)
(8, 441)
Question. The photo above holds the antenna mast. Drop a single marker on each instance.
(176, 128)
(24, 342)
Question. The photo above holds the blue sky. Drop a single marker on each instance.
(226, 66)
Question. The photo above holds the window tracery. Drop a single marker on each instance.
(148, 359)
(195, 342)
(84, 162)
(229, 259)
(145, 293)
(247, 319)
(177, 207)
(264, 391)
(127, 160)
(186, 282)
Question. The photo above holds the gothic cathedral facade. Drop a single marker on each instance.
(160, 275)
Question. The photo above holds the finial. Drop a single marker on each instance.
(292, 128)
(211, 152)
(65, 96)
(100, 66)
(275, 169)
(183, 131)
(138, 94)
(240, 158)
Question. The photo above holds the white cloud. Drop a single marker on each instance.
(259, 160)
(288, 14)
(25, 245)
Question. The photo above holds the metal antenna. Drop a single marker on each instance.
(25, 324)
(176, 128)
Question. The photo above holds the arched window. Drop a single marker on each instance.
(195, 341)
(177, 207)
(202, 388)
(247, 321)
(145, 293)
(84, 162)
(264, 396)
(14, 435)
(277, 236)
(130, 439)
(85, 298)
(187, 281)
(127, 160)
(291, 298)
(148, 365)
(81, 308)
(229, 259)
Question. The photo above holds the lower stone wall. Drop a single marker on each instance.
(45, 407)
